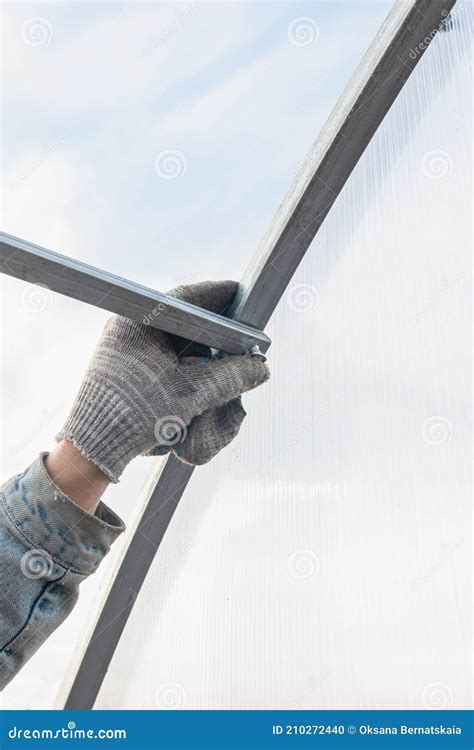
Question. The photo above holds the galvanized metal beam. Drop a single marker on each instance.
(70, 277)
(393, 55)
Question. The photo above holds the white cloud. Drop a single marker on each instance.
(107, 63)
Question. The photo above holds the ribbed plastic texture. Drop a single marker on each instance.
(323, 560)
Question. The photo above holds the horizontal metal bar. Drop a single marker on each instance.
(366, 100)
(70, 277)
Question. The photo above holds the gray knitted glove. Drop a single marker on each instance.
(210, 432)
(139, 396)
(217, 427)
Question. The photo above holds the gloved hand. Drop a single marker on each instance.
(140, 395)
(213, 430)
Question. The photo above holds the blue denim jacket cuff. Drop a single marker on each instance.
(49, 520)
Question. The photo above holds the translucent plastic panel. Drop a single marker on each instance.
(324, 559)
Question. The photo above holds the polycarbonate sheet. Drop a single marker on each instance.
(323, 560)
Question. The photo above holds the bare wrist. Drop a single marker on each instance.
(80, 479)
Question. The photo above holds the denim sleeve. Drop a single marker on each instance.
(48, 546)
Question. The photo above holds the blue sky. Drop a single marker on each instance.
(226, 88)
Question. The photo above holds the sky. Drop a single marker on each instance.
(156, 140)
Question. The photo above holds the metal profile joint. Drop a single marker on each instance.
(35, 264)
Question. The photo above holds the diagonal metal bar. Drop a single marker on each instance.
(392, 56)
(70, 277)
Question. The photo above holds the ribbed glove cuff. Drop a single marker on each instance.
(102, 428)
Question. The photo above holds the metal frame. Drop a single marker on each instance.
(374, 87)
(35, 264)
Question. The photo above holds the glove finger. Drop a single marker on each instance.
(157, 450)
(211, 295)
(162, 449)
(210, 432)
(125, 334)
(218, 381)
(186, 348)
